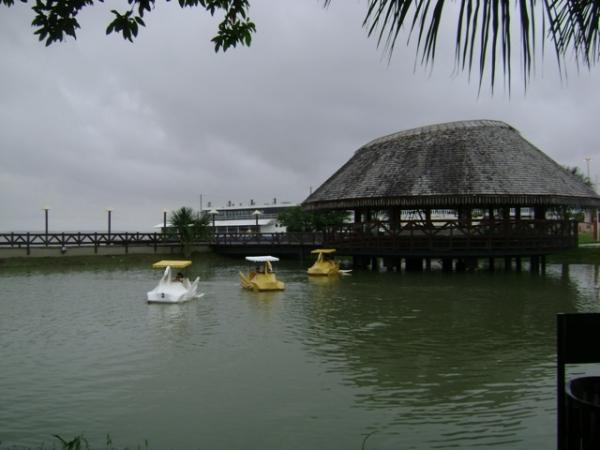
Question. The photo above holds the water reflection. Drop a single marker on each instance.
(444, 348)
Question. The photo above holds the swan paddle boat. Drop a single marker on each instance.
(173, 290)
(262, 278)
(325, 264)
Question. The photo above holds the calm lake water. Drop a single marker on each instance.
(406, 361)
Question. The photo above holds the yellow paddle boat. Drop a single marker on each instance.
(325, 264)
(262, 278)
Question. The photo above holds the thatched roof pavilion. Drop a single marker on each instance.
(478, 164)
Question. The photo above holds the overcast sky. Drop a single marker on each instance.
(101, 123)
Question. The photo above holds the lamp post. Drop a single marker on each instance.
(46, 209)
(109, 211)
(165, 220)
(256, 213)
(213, 212)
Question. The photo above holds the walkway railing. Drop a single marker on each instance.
(83, 239)
(267, 239)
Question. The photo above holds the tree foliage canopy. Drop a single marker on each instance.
(483, 27)
(296, 219)
(188, 225)
(579, 175)
(55, 19)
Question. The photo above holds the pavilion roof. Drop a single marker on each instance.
(474, 163)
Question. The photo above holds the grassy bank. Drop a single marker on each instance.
(98, 261)
(582, 255)
(586, 253)
(77, 443)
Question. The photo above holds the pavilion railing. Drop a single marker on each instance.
(441, 236)
(446, 235)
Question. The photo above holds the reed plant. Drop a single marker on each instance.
(78, 442)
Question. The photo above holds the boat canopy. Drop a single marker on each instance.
(174, 263)
(261, 258)
(324, 250)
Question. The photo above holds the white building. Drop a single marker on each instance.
(244, 218)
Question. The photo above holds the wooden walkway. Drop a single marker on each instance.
(443, 239)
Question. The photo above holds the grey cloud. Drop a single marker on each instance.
(152, 125)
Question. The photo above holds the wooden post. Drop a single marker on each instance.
(543, 264)
(535, 264)
(447, 264)
(414, 264)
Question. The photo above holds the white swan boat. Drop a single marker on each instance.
(171, 290)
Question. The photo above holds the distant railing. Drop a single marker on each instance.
(266, 239)
(83, 239)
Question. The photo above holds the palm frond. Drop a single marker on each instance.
(484, 28)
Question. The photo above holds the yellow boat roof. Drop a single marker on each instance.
(174, 263)
(324, 250)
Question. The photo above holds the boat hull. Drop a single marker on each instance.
(324, 268)
(169, 291)
(261, 282)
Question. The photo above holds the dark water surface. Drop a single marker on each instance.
(413, 361)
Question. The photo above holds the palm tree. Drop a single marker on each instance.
(484, 28)
(189, 226)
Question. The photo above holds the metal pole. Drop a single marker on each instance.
(46, 223)
(109, 211)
